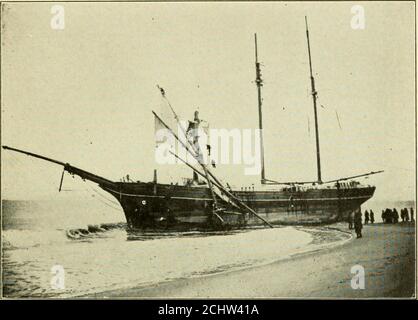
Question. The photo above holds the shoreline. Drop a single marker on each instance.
(387, 253)
(322, 237)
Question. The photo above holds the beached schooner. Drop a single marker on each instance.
(211, 205)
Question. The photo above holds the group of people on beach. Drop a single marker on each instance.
(388, 216)
(392, 215)
(368, 217)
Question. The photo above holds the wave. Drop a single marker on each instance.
(93, 231)
(19, 239)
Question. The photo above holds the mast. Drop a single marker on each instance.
(259, 83)
(314, 98)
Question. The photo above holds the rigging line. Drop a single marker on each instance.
(14, 163)
(336, 113)
(110, 206)
(95, 191)
(104, 197)
(319, 101)
(168, 102)
(98, 199)
(163, 94)
(338, 119)
(309, 127)
(19, 161)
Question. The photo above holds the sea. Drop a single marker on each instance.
(71, 248)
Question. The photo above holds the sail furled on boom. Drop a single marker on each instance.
(193, 133)
(197, 133)
(221, 192)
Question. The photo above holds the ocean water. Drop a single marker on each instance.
(38, 235)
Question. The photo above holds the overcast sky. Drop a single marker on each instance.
(84, 94)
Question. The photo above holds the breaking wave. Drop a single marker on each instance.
(93, 230)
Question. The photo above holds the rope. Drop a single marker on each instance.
(338, 119)
(104, 197)
(109, 205)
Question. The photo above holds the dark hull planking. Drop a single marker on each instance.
(173, 206)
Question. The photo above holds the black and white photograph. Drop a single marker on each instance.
(221, 150)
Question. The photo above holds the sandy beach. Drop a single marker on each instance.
(387, 253)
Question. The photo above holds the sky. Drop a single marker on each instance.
(84, 94)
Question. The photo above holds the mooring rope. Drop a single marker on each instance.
(103, 196)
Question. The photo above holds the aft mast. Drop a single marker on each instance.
(314, 98)
(259, 83)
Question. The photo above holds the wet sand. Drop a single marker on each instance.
(387, 253)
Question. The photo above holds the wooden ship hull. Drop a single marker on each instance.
(174, 206)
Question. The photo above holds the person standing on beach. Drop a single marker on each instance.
(350, 221)
(412, 214)
(371, 216)
(388, 215)
(358, 224)
(383, 216)
(366, 217)
(395, 215)
(406, 214)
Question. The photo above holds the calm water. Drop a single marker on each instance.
(37, 235)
